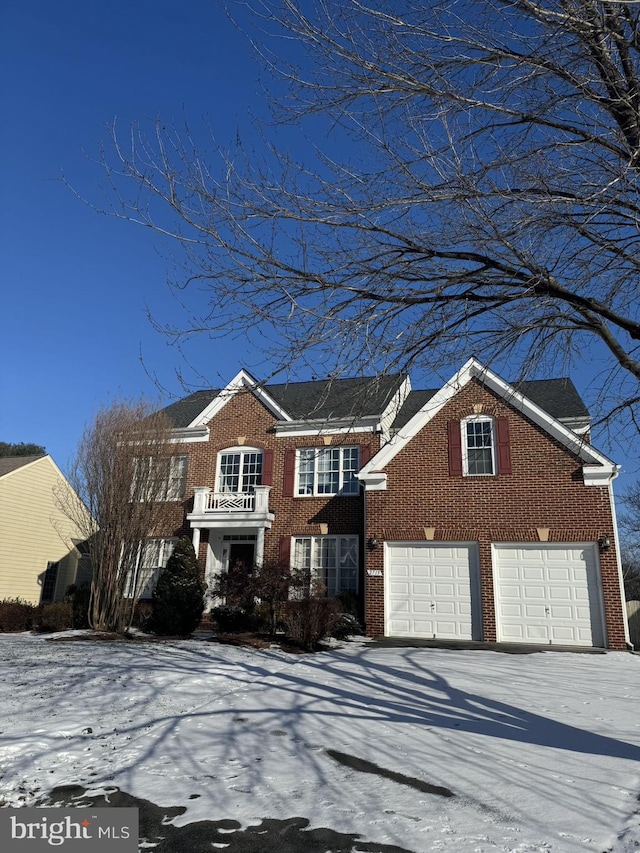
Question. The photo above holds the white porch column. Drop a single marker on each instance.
(259, 557)
(196, 539)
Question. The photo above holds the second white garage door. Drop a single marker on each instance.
(432, 590)
(548, 594)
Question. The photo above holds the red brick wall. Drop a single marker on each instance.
(544, 489)
(245, 417)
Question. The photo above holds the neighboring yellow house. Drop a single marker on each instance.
(39, 556)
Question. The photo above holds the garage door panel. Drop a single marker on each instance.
(535, 634)
(560, 612)
(561, 574)
(533, 592)
(443, 585)
(559, 593)
(534, 611)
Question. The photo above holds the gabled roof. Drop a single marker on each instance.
(336, 398)
(324, 399)
(558, 397)
(183, 412)
(8, 464)
(597, 468)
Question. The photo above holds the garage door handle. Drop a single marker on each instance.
(546, 610)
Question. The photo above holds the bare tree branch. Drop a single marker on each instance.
(120, 474)
(471, 185)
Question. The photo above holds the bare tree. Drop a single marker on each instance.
(630, 540)
(471, 186)
(121, 474)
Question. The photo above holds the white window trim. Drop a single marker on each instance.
(152, 573)
(315, 493)
(167, 495)
(355, 543)
(237, 449)
(465, 449)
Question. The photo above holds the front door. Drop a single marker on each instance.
(241, 556)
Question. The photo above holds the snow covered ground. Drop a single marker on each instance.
(540, 752)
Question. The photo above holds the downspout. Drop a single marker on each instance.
(616, 540)
(363, 486)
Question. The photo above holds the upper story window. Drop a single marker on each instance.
(239, 470)
(328, 471)
(159, 478)
(478, 446)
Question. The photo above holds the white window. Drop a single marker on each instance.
(478, 446)
(328, 471)
(153, 557)
(333, 560)
(239, 471)
(160, 479)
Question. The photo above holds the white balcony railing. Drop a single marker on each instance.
(229, 502)
(206, 501)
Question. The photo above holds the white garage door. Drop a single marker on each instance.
(548, 594)
(432, 590)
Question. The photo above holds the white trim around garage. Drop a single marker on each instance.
(432, 590)
(548, 593)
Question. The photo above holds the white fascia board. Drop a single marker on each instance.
(374, 481)
(243, 380)
(473, 369)
(390, 413)
(322, 426)
(418, 421)
(189, 435)
(599, 475)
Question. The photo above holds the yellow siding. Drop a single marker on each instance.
(33, 531)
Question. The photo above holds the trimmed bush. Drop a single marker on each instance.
(232, 620)
(309, 620)
(16, 615)
(55, 617)
(178, 599)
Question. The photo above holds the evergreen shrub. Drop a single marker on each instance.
(178, 599)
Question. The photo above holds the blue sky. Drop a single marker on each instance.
(76, 285)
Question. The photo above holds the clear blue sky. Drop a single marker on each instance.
(75, 285)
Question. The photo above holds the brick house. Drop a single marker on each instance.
(478, 511)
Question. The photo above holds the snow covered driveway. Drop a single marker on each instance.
(428, 750)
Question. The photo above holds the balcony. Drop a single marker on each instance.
(231, 509)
